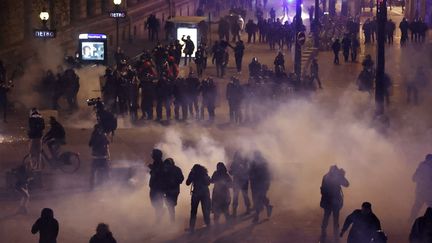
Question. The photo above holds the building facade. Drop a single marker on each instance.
(419, 9)
(19, 18)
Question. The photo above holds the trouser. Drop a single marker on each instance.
(186, 58)
(262, 37)
(163, 103)
(336, 58)
(234, 111)
(193, 104)
(238, 61)
(243, 187)
(204, 199)
(99, 172)
(147, 108)
(200, 69)
(251, 37)
(217, 213)
(35, 153)
(171, 202)
(315, 76)
(346, 55)
(390, 39)
(259, 197)
(25, 198)
(236, 36)
(210, 109)
(412, 92)
(184, 110)
(353, 55)
(156, 198)
(220, 70)
(325, 221)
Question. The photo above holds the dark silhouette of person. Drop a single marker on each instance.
(23, 176)
(103, 235)
(55, 137)
(173, 177)
(421, 231)
(332, 198)
(200, 181)
(157, 182)
(259, 175)
(47, 226)
(99, 144)
(423, 179)
(365, 224)
(239, 170)
(221, 196)
(336, 46)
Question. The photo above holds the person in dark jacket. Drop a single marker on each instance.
(365, 225)
(157, 182)
(238, 55)
(200, 181)
(47, 226)
(332, 198)
(336, 49)
(346, 46)
(209, 94)
(421, 231)
(55, 137)
(173, 177)
(251, 29)
(404, 27)
(221, 196)
(234, 95)
(423, 179)
(103, 235)
(99, 144)
(260, 178)
(239, 170)
(35, 132)
(189, 48)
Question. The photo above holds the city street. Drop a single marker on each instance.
(301, 138)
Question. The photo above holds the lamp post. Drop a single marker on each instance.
(44, 16)
(317, 25)
(117, 8)
(298, 29)
(380, 69)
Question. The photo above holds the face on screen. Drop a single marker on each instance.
(92, 51)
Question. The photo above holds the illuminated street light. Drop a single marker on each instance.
(117, 2)
(117, 7)
(44, 16)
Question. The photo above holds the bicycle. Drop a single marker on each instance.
(68, 162)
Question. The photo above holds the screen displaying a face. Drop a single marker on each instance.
(93, 51)
(184, 33)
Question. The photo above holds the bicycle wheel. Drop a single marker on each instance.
(69, 162)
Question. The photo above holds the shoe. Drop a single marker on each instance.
(255, 219)
(269, 210)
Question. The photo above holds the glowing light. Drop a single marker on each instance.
(44, 15)
(117, 2)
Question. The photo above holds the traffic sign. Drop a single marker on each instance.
(301, 38)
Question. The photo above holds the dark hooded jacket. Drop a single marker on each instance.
(47, 226)
(421, 231)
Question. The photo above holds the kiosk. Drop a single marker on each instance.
(93, 49)
(188, 26)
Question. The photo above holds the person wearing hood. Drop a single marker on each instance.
(103, 235)
(221, 196)
(332, 198)
(173, 177)
(200, 181)
(47, 226)
(421, 231)
(35, 132)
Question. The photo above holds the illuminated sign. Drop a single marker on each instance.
(44, 33)
(92, 36)
(117, 14)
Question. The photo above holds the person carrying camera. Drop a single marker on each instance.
(332, 197)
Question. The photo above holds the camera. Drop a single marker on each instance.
(94, 101)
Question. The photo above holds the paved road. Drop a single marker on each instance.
(301, 139)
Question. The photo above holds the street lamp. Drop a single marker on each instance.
(380, 85)
(117, 7)
(44, 16)
(298, 29)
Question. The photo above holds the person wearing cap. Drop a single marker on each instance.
(365, 224)
(35, 132)
(423, 179)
